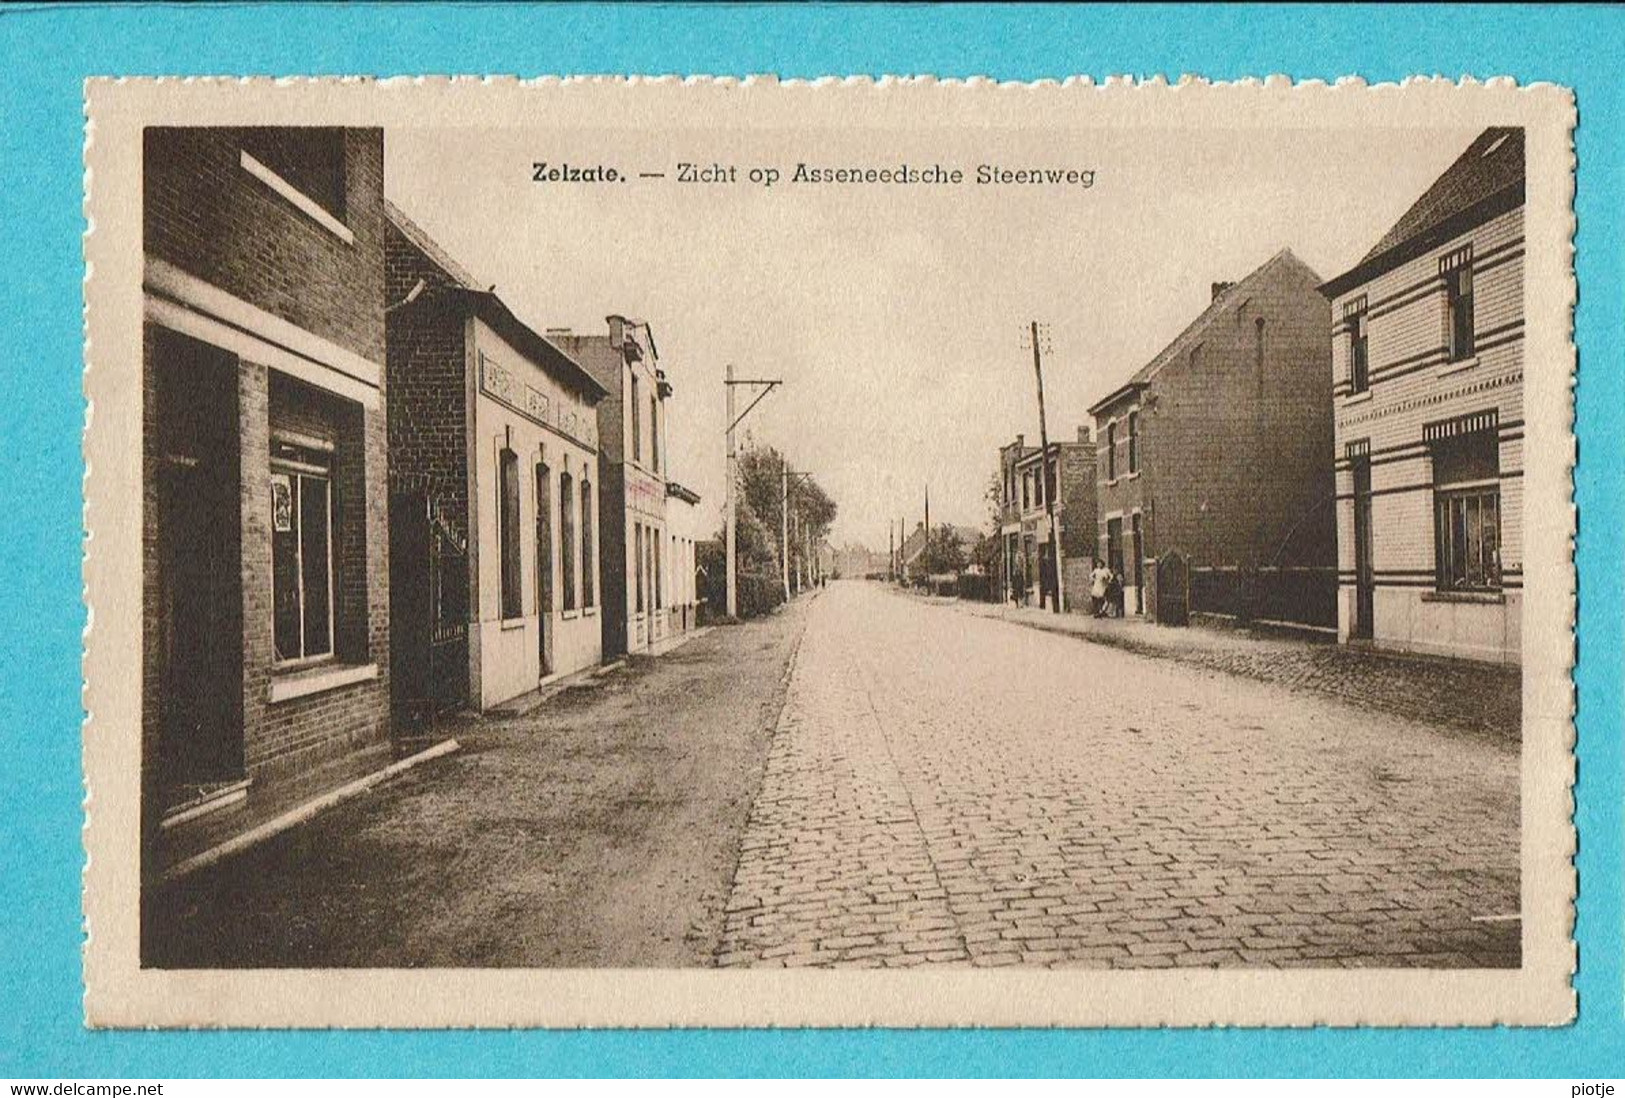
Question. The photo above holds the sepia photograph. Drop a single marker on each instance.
(576, 551)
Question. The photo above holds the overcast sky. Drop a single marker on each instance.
(896, 315)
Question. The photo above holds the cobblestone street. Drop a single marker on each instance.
(946, 787)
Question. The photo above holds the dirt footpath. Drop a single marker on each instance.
(602, 830)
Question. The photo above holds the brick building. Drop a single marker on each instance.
(632, 434)
(1215, 450)
(1026, 485)
(1015, 575)
(1427, 364)
(265, 638)
(494, 481)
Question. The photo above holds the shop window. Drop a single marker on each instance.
(301, 552)
(1457, 269)
(589, 594)
(508, 534)
(309, 158)
(567, 540)
(1467, 512)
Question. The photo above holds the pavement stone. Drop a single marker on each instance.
(962, 790)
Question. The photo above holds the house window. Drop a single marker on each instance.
(588, 564)
(1467, 512)
(567, 540)
(508, 533)
(301, 552)
(1133, 442)
(308, 158)
(659, 548)
(1026, 490)
(1111, 451)
(1359, 352)
(654, 432)
(637, 558)
(637, 421)
(1457, 269)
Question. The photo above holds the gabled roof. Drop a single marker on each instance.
(429, 247)
(485, 304)
(1282, 261)
(1486, 180)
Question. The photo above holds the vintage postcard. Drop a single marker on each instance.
(657, 552)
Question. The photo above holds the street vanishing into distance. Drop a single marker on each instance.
(873, 778)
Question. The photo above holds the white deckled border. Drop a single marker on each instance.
(120, 993)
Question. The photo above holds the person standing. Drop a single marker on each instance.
(1100, 578)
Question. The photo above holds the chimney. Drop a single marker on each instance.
(617, 330)
(1083, 432)
(1220, 287)
(1021, 444)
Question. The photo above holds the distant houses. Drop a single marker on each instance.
(1027, 483)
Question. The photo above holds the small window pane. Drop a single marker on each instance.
(285, 613)
(314, 541)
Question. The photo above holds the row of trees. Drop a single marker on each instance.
(760, 503)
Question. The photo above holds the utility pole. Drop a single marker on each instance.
(766, 385)
(1044, 481)
(891, 551)
(785, 473)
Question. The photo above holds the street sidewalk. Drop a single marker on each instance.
(600, 829)
(1462, 694)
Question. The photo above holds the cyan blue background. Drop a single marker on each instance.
(46, 53)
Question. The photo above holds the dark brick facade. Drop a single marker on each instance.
(1233, 432)
(428, 382)
(209, 217)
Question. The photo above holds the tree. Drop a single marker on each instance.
(943, 554)
(811, 513)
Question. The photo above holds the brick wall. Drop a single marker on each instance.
(289, 736)
(426, 363)
(208, 216)
(1412, 384)
(1078, 503)
(1254, 451)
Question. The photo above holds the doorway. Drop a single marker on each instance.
(1138, 562)
(1364, 579)
(198, 623)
